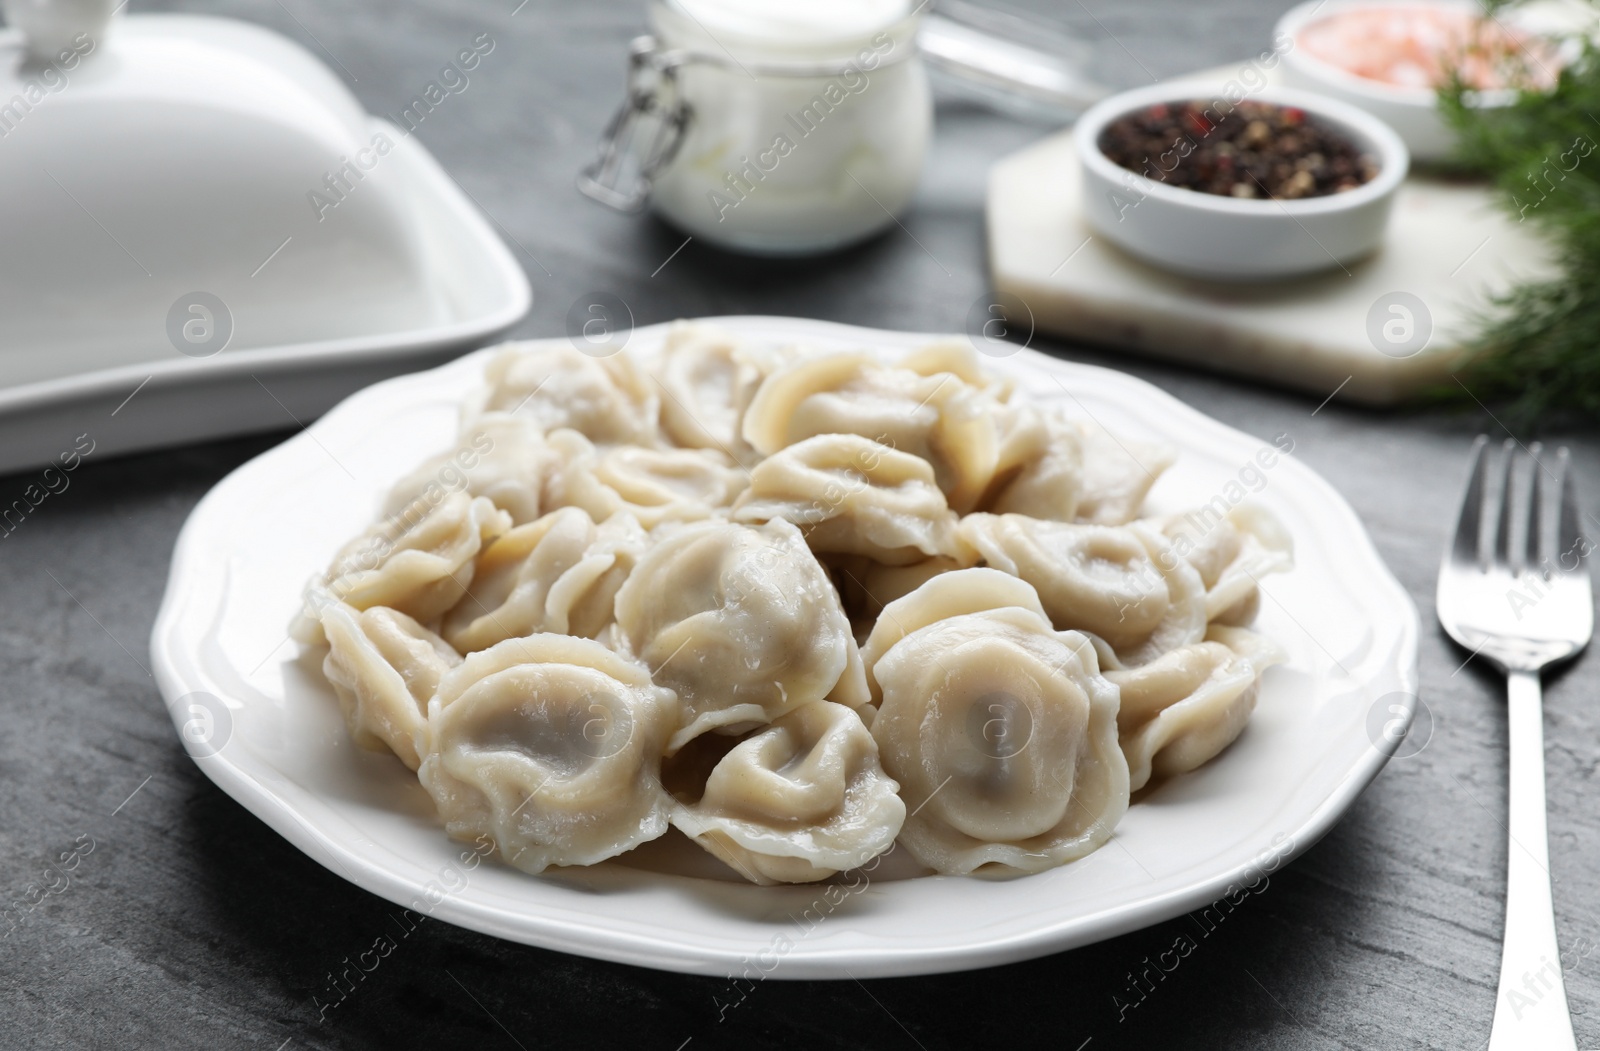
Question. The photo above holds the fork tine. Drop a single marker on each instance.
(1532, 547)
(1571, 546)
(1541, 523)
(1505, 555)
(1465, 547)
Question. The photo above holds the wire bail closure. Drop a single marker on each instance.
(645, 133)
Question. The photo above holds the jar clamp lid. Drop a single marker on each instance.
(643, 136)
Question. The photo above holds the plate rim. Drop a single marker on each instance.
(651, 949)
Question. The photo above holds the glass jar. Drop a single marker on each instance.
(771, 127)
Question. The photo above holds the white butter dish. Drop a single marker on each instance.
(196, 209)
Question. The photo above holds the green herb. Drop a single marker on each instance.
(1538, 348)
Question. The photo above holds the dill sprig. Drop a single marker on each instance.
(1537, 348)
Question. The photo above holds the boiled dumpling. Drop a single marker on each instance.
(851, 689)
(384, 667)
(1040, 471)
(800, 800)
(419, 562)
(885, 584)
(582, 601)
(514, 577)
(740, 620)
(851, 495)
(653, 485)
(1117, 475)
(707, 378)
(559, 574)
(1183, 708)
(941, 597)
(498, 456)
(938, 418)
(551, 747)
(1232, 552)
(867, 586)
(959, 359)
(1124, 584)
(1003, 735)
(606, 399)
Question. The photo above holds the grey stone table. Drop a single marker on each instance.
(192, 925)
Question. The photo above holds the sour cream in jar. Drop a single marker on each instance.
(805, 124)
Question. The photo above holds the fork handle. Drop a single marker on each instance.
(1530, 1010)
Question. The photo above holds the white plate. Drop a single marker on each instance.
(251, 543)
(475, 289)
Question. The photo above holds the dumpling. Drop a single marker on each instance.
(582, 601)
(741, 621)
(550, 746)
(384, 667)
(800, 800)
(1123, 584)
(887, 583)
(653, 485)
(959, 359)
(1040, 470)
(498, 456)
(851, 495)
(938, 418)
(867, 586)
(1186, 706)
(941, 597)
(707, 377)
(1232, 552)
(419, 562)
(851, 689)
(559, 574)
(513, 579)
(606, 399)
(1117, 475)
(1003, 735)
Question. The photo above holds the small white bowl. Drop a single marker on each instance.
(1412, 112)
(1228, 238)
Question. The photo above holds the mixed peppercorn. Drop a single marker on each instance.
(1245, 149)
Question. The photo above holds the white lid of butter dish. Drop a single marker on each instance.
(192, 193)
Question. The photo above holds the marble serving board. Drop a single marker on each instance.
(1449, 246)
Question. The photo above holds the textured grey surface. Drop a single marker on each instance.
(192, 925)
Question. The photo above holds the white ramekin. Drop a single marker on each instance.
(1412, 112)
(1228, 238)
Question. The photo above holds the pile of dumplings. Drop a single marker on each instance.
(799, 606)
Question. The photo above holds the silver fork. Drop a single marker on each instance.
(1516, 591)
